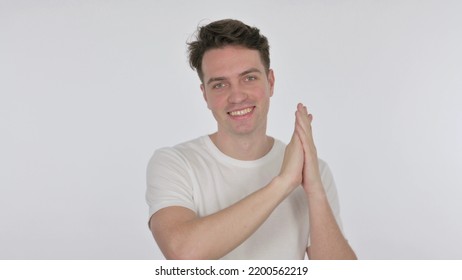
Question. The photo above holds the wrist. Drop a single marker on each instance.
(314, 190)
(284, 183)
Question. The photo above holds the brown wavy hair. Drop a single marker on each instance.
(219, 34)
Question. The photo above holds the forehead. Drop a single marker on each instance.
(230, 61)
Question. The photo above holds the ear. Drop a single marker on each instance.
(203, 92)
(271, 81)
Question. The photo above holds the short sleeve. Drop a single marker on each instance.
(331, 191)
(168, 181)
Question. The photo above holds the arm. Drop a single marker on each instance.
(327, 241)
(180, 234)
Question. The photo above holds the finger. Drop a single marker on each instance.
(304, 131)
(295, 137)
(304, 138)
(302, 108)
(304, 120)
(305, 111)
(307, 144)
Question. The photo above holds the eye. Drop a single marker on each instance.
(250, 78)
(218, 85)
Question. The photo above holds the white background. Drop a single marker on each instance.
(89, 89)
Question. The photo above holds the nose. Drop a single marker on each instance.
(237, 95)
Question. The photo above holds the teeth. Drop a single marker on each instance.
(241, 112)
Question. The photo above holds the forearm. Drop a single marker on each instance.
(213, 236)
(327, 240)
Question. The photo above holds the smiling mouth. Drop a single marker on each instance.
(241, 112)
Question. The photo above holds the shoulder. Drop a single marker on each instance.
(180, 153)
(183, 148)
(279, 145)
(323, 166)
(326, 173)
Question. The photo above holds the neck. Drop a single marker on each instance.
(243, 147)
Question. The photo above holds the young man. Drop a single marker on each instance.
(239, 193)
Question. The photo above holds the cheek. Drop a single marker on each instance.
(263, 93)
(261, 90)
(215, 102)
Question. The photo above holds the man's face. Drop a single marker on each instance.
(237, 89)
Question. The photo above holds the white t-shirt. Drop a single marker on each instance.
(198, 176)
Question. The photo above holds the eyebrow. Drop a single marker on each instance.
(246, 72)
